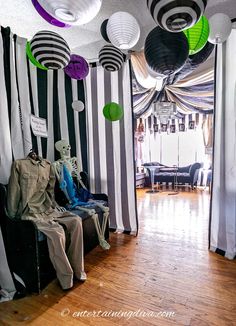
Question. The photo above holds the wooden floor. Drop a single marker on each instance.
(167, 268)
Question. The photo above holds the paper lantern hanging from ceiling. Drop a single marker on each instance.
(78, 106)
(113, 111)
(32, 58)
(111, 58)
(197, 35)
(103, 30)
(123, 30)
(77, 68)
(176, 15)
(50, 50)
(166, 52)
(154, 74)
(72, 12)
(45, 15)
(220, 28)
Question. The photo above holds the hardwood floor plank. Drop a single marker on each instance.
(166, 268)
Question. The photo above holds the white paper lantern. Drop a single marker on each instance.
(78, 106)
(123, 30)
(220, 28)
(73, 12)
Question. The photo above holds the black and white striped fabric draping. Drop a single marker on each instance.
(26, 90)
(223, 203)
(176, 15)
(110, 145)
(50, 50)
(111, 58)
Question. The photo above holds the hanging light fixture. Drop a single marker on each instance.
(220, 28)
(103, 30)
(113, 111)
(51, 20)
(154, 74)
(78, 106)
(176, 15)
(50, 50)
(197, 35)
(72, 12)
(123, 30)
(32, 58)
(166, 52)
(111, 58)
(77, 68)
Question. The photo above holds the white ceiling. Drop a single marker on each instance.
(86, 40)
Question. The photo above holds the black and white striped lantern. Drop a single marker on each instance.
(111, 58)
(176, 15)
(50, 50)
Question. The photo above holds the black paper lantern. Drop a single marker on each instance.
(176, 15)
(193, 62)
(103, 30)
(166, 52)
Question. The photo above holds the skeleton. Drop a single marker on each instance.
(71, 163)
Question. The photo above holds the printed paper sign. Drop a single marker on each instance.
(39, 126)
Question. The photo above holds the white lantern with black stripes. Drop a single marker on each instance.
(50, 50)
(111, 58)
(176, 15)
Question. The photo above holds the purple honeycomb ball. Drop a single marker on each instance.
(77, 68)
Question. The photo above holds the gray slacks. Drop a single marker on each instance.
(66, 261)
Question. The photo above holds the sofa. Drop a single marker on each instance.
(27, 250)
(165, 174)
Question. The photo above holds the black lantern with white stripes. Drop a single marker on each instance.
(166, 52)
(111, 58)
(176, 15)
(50, 50)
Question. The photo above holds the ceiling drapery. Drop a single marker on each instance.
(192, 92)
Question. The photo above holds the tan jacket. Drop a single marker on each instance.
(30, 188)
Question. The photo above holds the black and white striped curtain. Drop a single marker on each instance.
(223, 204)
(104, 149)
(26, 90)
(110, 145)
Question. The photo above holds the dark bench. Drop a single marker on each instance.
(185, 175)
(27, 250)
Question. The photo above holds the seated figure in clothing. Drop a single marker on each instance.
(31, 197)
(78, 196)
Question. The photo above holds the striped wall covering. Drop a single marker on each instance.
(104, 149)
(110, 145)
(25, 90)
(222, 230)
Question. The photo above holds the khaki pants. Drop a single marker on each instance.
(66, 262)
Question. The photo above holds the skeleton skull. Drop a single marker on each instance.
(63, 147)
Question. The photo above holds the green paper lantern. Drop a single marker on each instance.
(32, 58)
(113, 111)
(197, 35)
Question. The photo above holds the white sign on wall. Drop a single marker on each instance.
(39, 126)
